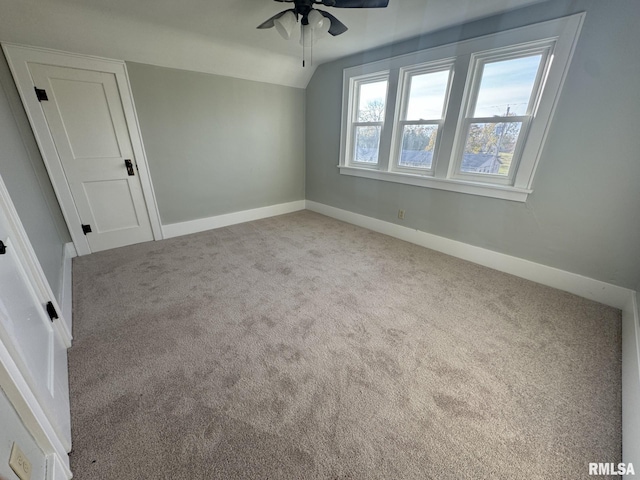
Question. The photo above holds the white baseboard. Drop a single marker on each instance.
(631, 382)
(209, 223)
(596, 290)
(66, 288)
(56, 470)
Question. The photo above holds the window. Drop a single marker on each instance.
(425, 90)
(367, 118)
(502, 94)
(469, 117)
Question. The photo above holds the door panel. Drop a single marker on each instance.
(87, 123)
(86, 117)
(108, 201)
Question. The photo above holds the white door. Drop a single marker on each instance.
(84, 113)
(27, 332)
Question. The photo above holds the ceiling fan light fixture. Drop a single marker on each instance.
(285, 24)
(317, 28)
(323, 30)
(314, 24)
(315, 19)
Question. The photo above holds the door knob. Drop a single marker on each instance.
(129, 166)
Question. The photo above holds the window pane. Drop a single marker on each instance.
(506, 86)
(371, 101)
(418, 142)
(367, 139)
(489, 147)
(426, 96)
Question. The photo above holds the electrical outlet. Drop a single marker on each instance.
(401, 214)
(19, 463)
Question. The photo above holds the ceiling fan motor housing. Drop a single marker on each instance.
(302, 8)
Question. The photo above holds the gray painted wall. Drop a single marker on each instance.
(27, 181)
(584, 214)
(216, 144)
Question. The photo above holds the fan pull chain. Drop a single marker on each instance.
(308, 37)
(304, 49)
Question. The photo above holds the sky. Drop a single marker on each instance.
(370, 92)
(494, 95)
(504, 83)
(426, 98)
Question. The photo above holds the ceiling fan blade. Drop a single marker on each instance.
(269, 23)
(360, 3)
(337, 27)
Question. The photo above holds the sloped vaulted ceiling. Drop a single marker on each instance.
(220, 36)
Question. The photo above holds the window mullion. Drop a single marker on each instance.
(402, 123)
(367, 124)
(442, 168)
(496, 119)
(521, 176)
(384, 152)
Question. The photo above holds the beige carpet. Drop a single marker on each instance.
(301, 347)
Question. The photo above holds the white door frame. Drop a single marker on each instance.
(18, 57)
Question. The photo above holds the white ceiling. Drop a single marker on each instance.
(220, 36)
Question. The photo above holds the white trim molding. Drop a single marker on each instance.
(66, 286)
(631, 382)
(18, 57)
(504, 192)
(56, 470)
(209, 223)
(586, 287)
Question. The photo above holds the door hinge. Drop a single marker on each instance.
(86, 229)
(3, 248)
(41, 93)
(51, 311)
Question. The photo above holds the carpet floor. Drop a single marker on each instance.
(301, 347)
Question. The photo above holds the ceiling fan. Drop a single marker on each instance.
(314, 22)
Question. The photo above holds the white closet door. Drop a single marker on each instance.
(86, 120)
(28, 333)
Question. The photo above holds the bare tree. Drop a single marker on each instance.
(373, 112)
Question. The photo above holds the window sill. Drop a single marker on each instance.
(472, 188)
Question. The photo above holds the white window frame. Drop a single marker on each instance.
(402, 102)
(556, 38)
(354, 86)
(522, 158)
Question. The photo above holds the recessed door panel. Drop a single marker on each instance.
(86, 117)
(111, 204)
